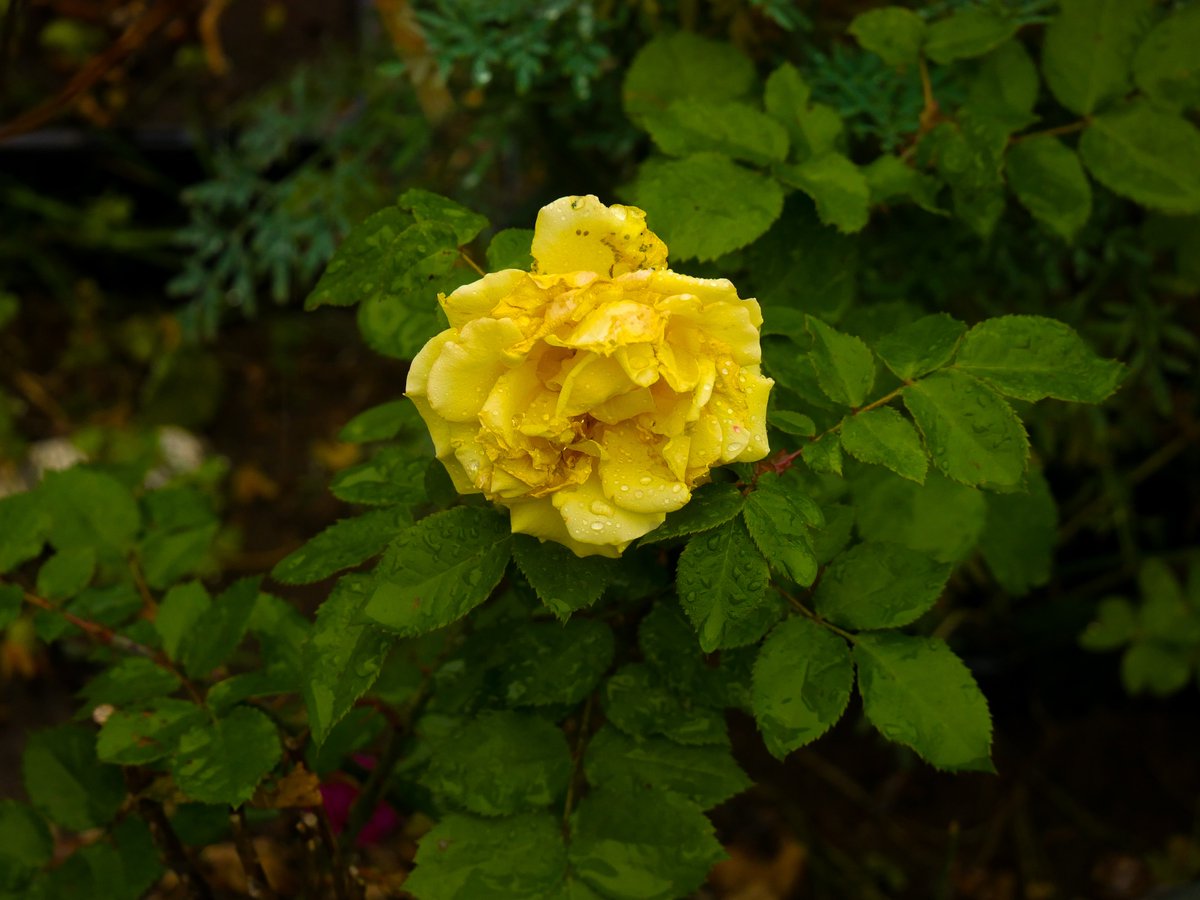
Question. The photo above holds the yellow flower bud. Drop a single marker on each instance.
(592, 395)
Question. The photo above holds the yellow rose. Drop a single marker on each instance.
(591, 395)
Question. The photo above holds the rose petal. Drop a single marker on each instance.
(582, 234)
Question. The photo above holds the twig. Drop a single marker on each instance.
(149, 605)
(470, 262)
(1069, 128)
(257, 885)
(931, 113)
(576, 761)
(809, 614)
(175, 855)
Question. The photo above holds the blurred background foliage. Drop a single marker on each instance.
(174, 175)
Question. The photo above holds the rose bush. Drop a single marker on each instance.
(591, 395)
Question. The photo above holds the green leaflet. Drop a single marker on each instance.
(940, 517)
(89, 510)
(1006, 87)
(1114, 626)
(501, 763)
(178, 614)
(429, 207)
(669, 646)
(802, 681)
(966, 34)
(146, 733)
(394, 475)
(736, 129)
(639, 704)
(679, 65)
(778, 518)
(66, 573)
(845, 365)
(1032, 357)
(564, 582)
(1166, 66)
(382, 422)
(220, 628)
(439, 570)
(920, 347)
(1020, 534)
(224, 760)
(918, 693)
(1088, 48)
(711, 505)
(25, 844)
(722, 581)
(361, 268)
(875, 585)
(344, 544)
(706, 205)
(511, 248)
(970, 432)
(1048, 179)
(890, 179)
(893, 33)
(27, 522)
(129, 680)
(552, 664)
(814, 129)
(66, 782)
(884, 437)
(836, 185)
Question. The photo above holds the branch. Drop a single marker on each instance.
(576, 761)
(257, 884)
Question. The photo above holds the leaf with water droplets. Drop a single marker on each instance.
(638, 703)
(563, 581)
(778, 517)
(875, 585)
(710, 506)
(344, 544)
(222, 761)
(440, 569)
(723, 585)
(920, 347)
(971, 433)
(885, 438)
(1032, 357)
(845, 365)
(802, 681)
(552, 664)
(394, 475)
(918, 693)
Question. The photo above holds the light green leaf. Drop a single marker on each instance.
(1006, 87)
(564, 582)
(722, 581)
(66, 782)
(641, 706)
(1166, 66)
(813, 128)
(641, 845)
(778, 517)
(343, 656)
(66, 573)
(466, 858)
(220, 628)
(549, 664)
(129, 680)
(704, 775)
(382, 422)
(1087, 51)
(344, 544)
(892, 33)
(874, 585)
(706, 205)
(178, 614)
(361, 269)
(920, 347)
(885, 438)
(1032, 357)
(1019, 536)
(941, 517)
(394, 475)
(26, 524)
(440, 569)
(145, 734)
(25, 845)
(167, 556)
(501, 763)
(1048, 179)
(1114, 626)
(711, 505)
(969, 156)
(966, 34)
(683, 64)
(918, 693)
(223, 761)
(736, 129)
(802, 681)
(824, 456)
(511, 248)
(1155, 667)
(429, 207)
(89, 509)
(970, 432)
(837, 186)
(890, 178)
(845, 365)
(1147, 155)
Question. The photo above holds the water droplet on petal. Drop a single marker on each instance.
(645, 479)
(597, 526)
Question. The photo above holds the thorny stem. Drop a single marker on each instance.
(257, 885)
(576, 761)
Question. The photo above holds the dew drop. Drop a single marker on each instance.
(639, 494)
(600, 508)
(645, 479)
(624, 488)
(597, 526)
(676, 488)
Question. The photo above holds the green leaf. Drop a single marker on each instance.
(1048, 179)
(884, 437)
(1165, 66)
(802, 681)
(12, 598)
(167, 556)
(711, 505)
(824, 456)
(1114, 626)
(722, 581)
(362, 266)
(1155, 667)
(941, 517)
(394, 475)
(802, 265)
(1032, 357)
(845, 365)
(224, 760)
(778, 518)
(25, 845)
(465, 858)
(669, 645)
(66, 573)
(89, 509)
(736, 129)
(873, 586)
(145, 734)
(510, 248)
(706, 205)
(26, 524)
(972, 435)
(66, 782)
(124, 865)
(382, 422)
(344, 544)
(343, 656)
(791, 423)
(220, 628)
(704, 775)
(918, 693)
(641, 845)
(555, 665)
(1147, 155)
(920, 347)
(178, 615)
(439, 570)
(128, 681)
(1087, 50)
(1019, 536)
(501, 763)
(892, 33)
(966, 34)
(837, 187)
(813, 128)
(674, 66)
(641, 706)
(889, 178)
(969, 156)
(564, 582)
(1006, 87)
(429, 207)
